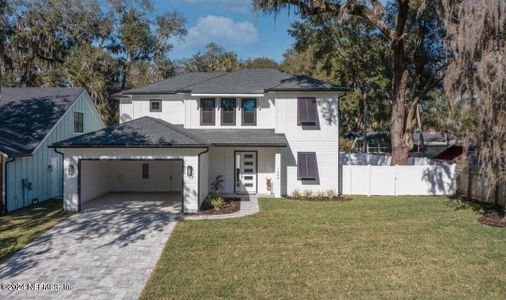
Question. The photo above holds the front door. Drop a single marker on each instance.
(246, 172)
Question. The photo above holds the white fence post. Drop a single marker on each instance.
(369, 180)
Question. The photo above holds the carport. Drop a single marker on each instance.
(110, 182)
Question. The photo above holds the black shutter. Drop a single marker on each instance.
(145, 171)
(307, 112)
(307, 166)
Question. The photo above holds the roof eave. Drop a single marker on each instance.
(128, 146)
(337, 89)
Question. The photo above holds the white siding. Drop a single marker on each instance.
(189, 156)
(275, 110)
(36, 169)
(203, 177)
(321, 138)
(138, 106)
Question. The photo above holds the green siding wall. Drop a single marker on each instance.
(46, 182)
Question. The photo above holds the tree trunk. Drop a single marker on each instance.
(400, 150)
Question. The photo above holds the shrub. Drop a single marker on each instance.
(331, 194)
(296, 194)
(320, 195)
(217, 202)
(308, 194)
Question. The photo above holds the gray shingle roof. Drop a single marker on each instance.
(142, 132)
(28, 114)
(244, 81)
(151, 132)
(178, 83)
(241, 137)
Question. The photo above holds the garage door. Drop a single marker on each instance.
(101, 177)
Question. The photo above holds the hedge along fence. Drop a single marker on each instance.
(434, 179)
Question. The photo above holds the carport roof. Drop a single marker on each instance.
(148, 132)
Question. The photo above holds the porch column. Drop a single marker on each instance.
(277, 174)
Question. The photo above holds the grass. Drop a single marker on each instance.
(377, 247)
(20, 227)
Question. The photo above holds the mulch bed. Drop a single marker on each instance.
(233, 205)
(335, 199)
(493, 219)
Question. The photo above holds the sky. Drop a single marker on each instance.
(231, 24)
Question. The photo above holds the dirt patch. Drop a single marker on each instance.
(493, 219)
(335, 199)
(232, 205)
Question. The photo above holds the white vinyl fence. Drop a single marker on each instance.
(433, 179)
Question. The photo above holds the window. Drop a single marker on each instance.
(249, 111)
(155, 106)
(307, 167)
(206, 111)
(307, 114)
(145, 171)
(228, 111)
(78, 122)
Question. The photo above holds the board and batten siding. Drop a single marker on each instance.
(321, 138)
(138, 106)
(44, 168)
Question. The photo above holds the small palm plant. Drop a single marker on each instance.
(217, 202)
(331, 194)
(320, 195)
(296, 194)
(308, 194)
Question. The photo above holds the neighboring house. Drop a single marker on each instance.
(264, 131)
(30, 120)
(431, 143)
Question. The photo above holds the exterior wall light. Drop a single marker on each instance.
(72, 170)
(189, 171)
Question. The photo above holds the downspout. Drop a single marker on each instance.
(62, 169)
(198, 178)
(5, 210)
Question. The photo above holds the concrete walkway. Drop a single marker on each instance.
(106, 252)
(249, 206)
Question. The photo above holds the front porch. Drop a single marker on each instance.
(245, 170)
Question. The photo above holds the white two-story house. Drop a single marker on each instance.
(264, 131)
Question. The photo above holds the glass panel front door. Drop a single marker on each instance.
(246, 172)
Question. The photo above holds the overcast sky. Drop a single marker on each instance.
(231, 24)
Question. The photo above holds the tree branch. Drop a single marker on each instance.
(375, 16)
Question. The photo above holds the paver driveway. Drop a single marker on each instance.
(106, 252)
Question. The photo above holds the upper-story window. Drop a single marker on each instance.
(207, 111)
(78, 122)
(228, 111)
(307, 113)
(155, 105)
(249, 111)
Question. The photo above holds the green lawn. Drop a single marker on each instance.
(20, 227)
(377, 247)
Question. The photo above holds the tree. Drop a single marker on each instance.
(261, 62)
(402, 23)
(213, 58)
(103, 46)
(475, 80)
(351, 53)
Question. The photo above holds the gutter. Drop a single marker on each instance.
(62, 169)
(5, 210)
